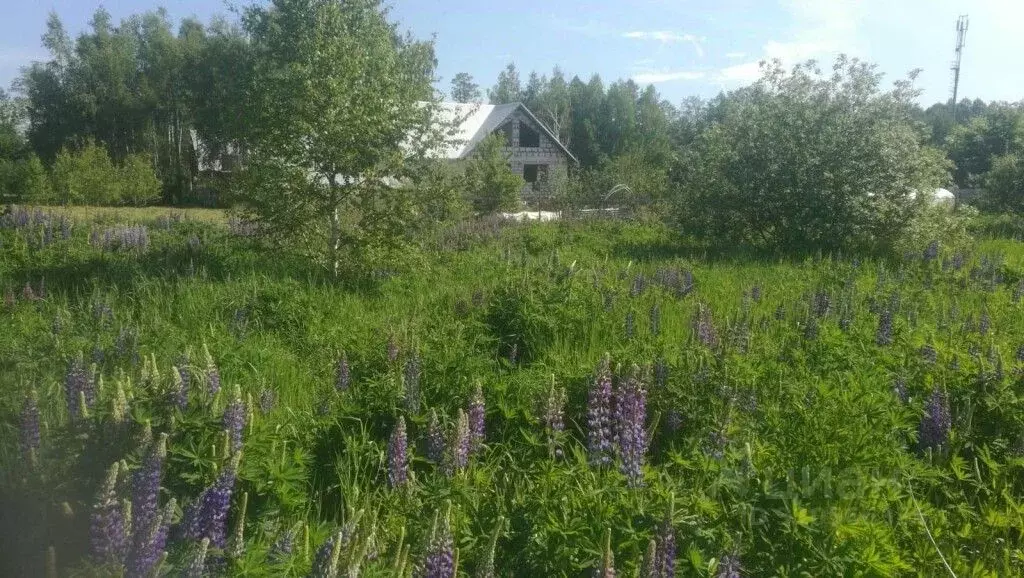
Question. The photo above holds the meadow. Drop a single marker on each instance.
(555, 399)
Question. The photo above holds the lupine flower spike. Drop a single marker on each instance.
(476, 419)
(599, 415)
(459, 447)
(630, 418)
(196, 567)
(398, 456)
(435, 439)
(234, 419)
(107, 523)
(440, 559)
(28, 430)
(487, 567)
(933, 431)
(607, 569)
(325, 563)
(212, 373)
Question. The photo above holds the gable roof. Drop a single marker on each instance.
(481, 120)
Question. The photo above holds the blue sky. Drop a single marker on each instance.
(684, 47)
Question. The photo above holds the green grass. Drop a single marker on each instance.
(793, 451)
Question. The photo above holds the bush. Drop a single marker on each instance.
(938, 222)
(489, 182)
(801, 163)
(23, 180)
(1004, 185)
(89, 177)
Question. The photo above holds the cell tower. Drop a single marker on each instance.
(961, 34)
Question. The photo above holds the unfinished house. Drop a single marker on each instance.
(535, 153)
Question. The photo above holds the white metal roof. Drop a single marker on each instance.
(480, 120)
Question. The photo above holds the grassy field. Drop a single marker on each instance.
(820, 417)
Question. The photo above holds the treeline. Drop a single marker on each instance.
(140, 89)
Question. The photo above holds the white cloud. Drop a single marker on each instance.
(667, 76)
(668, 37)
(735, 55)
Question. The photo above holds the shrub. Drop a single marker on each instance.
(89, 176)
(139, 184)
(24, 179)
(1004, 185)
(489, 182)
(799, 162)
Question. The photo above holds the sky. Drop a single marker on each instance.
(684, 47)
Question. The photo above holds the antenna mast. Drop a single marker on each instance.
(961, 34)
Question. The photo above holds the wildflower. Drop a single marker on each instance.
(928, 353)
(398, 456)
(325, 563)
(629, 325)
(440, 558)
(78, 387)
(207, 516)
(811, 329)
(630, 418)
(931, 252)
(755, 293)
(342, 375)
(899, 388)
(180, 388)
(146, 489)
(513, 354)
(655, 319)
(639, 284)
(392, 349)
(487, 567)
(729, 566)
(599, 415)
(283, 546)
(459, 456)
(780, 312)
(984, 323)
(107, 522)
(704, 327)
(212, 373)
(435, 439)
(412, 383)
(660, 373)
(149, 543)
(883, 335)
(476, 413)
(716, 443)
(673, 421)
(665, 553)
(28, 430)
(267, 400)
(933, 431)
(27, 293)
(196, 567)
(234, 419)
(821, 303)
(554, 419)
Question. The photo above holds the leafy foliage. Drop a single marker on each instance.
(488, 180)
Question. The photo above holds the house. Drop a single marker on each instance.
(535, 153)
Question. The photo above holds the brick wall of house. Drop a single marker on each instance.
(548, 153)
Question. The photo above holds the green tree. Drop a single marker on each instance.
(489, 182)
(139, 183)
(464, 89)
(1004, 184)
(508, 89)
(86, 176)
(973, 146)
(800, 162)
(343, 107)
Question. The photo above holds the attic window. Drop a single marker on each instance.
(528, 137)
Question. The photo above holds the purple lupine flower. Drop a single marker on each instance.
(630, 420)
(811, 329)
(780, 312)
(649, 562)
(716, 443)
(342, 375)
(655, 320)
(629, 325)
(665, 560)
(234, 419)
(180, 389)
(931, 252)
(148, 545)
(207, 516)
(599, 415)
(984, 323)
(107, 522)
(212, 373)
(476, 413)
(268, 399)
(196, 567)
(729, 566)
(146, 491)
(883, 335)
(928, 353)
(412, 383)
(660, 373)
(435, 439)
(460, 445)
(28, 427)
(283, 546)
(673, 421)
(704, 328)
(440, 559)
(554, 419)
(933, 431)
(325, 563)
(392, 349)
(398, 456)
(639, 284)
(899, 388)
(755, 293)
(821, 303)
(78, 385)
